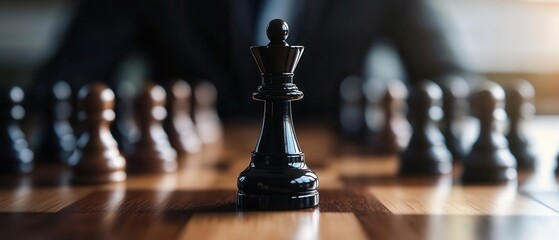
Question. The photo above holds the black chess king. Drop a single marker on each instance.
(277, 176)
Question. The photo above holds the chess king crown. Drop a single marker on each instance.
(277, 62)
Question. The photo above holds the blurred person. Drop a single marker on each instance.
(210, 39)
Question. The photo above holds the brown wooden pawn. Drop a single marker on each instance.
(153, 152)
(179, 125)
(206, 118)
(391, 136)
(97, 157)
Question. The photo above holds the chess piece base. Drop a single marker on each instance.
(148, 167)
(425, 168)
(276, 202)
(489, 166)
(277, 188)
(434, 161)
(116, 176)
(485, 175)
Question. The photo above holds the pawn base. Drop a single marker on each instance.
(435, 160)
(525, 161)
(156, 167)
(81, 178)
(488, 175)
(425, 168)
(276, 202)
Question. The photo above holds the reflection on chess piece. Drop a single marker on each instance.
(15, 152)
(205, 112)
(426, 153)
(97, 157)
(390, 136)
(490, 160)
(59, 141)
(178, 124)
(455, 93)
(153, 152)
(519, 106)
(277, 176)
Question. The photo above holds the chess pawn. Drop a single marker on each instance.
(519, 107)
(277, 176)
(124, 128)
(14, 149)
(97, 157)
(455, 93)
(426, 153)
(153, 152)
(389, 137)
(351, 119)
(205, 113)
(178, 124)
(59, 141)
(490, 160)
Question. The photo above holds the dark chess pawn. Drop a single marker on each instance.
(153, 152)
(455, 94)
(206, 118)
(490, 160)
(59, 141)
(519, 106)
(277, 176)
(97, 157)
(426, 153)
(14, 149)
(178, 124)
(351, 122)
(124, 128)
(389, 127)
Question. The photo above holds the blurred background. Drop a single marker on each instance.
(501, 39)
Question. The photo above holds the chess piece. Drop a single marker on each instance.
(388, 128)
(205, 113)
(519, 106)
(97, 157)
(490, 160)
(178, 124)
(426, 153)
(277, 176)
(152, 152)
(14, 149)
(124, 128)
(351, 119)
(59, 141)
(455, 93)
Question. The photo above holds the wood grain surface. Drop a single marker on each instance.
(360, 198)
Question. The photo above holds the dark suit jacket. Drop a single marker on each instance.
(211, 38)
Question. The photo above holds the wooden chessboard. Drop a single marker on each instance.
(360, 198)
